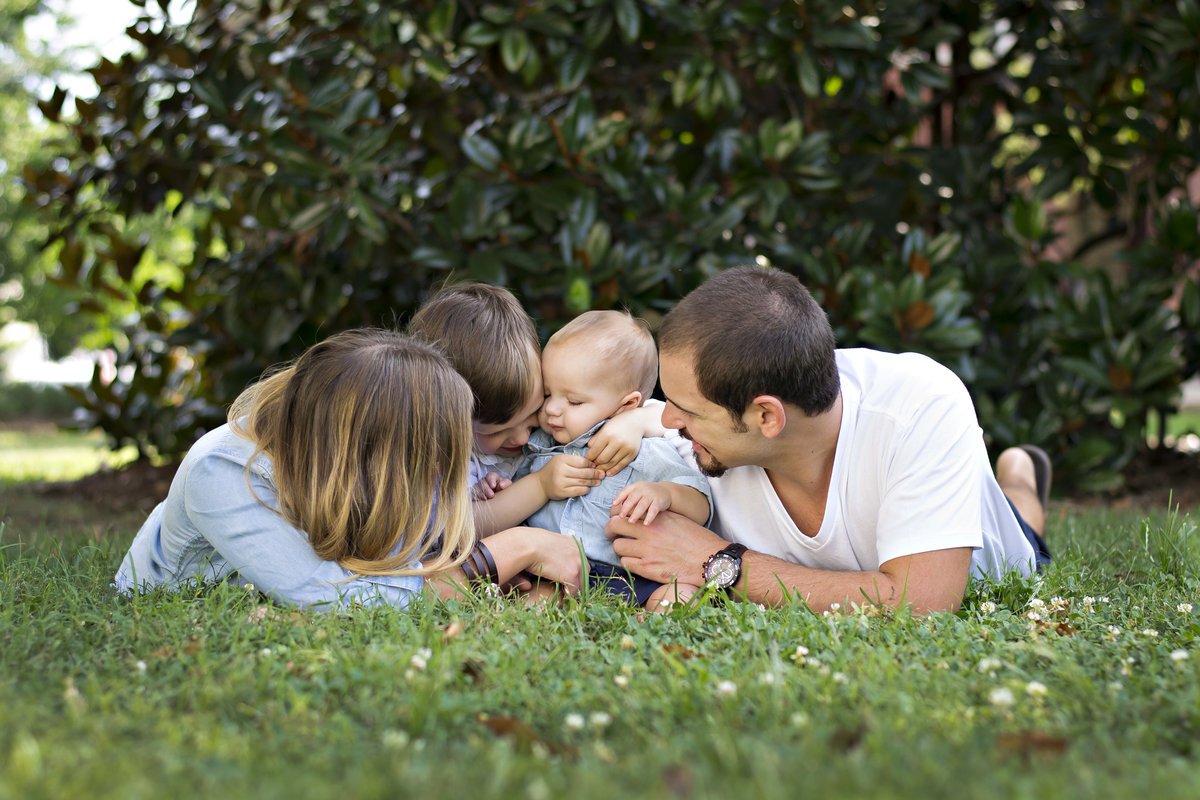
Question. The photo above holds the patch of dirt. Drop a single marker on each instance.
(135, 487)
(1154, 479)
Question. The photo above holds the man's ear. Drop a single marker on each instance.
(768, 413)
(629, 402)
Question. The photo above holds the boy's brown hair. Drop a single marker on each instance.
(622, 342)
(489, 339)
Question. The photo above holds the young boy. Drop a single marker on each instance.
(601, 365)
(492, 343)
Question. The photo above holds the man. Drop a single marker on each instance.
(847, 476)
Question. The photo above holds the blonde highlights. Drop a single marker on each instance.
(370, 435)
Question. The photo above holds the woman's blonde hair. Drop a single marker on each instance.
(370, 435)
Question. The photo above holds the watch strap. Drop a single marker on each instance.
(733, 551)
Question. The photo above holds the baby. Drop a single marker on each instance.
(600, 365)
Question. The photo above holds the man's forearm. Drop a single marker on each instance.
(927, 582)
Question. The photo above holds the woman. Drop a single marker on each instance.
(339, 480)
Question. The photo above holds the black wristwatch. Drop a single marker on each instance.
(724, 567)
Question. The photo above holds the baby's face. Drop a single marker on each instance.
(509, 437)
(579, 392)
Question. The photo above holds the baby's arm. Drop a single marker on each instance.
(616, 444)
(645, 499)
(563, 476)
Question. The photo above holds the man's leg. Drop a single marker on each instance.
(1017, 476)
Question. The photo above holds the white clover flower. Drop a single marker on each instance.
(1001, 697)
(600, 719)
(1033, 615)
(1037, 603)
(1059, 603)
(573, 722)
(768, 679)
(835, 607)
(420, 659)
(140, 666)
(1179, 656)
(1149, 632)
(621, 680)
(1089, 601)
(987, 607)
(266, 651)
(824, 671)
(1113, 630)
(1035, 689)
(394, 739)
(799, 655)
(1184, 608)
(840, 677)
(250, 588)
(990, 665)
(727, 688)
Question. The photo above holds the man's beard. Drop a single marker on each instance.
(712, 468)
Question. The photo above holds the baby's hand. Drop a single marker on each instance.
(489, 485)
(616, 444)
(568, 476)
(641, 501)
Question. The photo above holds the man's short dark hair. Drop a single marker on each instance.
(752, 331)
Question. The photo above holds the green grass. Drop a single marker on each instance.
(214, 693)
(44, 452)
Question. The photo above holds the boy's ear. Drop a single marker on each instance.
(629, 402)
(769, 414)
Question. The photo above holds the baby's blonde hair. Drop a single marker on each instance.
(621, 342)
(370, 435)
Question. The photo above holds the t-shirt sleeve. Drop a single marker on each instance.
(932, 499)
(272, 554)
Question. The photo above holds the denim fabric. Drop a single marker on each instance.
(1041, 551)
(220, 524)
(585, 517)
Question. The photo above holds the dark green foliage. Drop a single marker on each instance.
(338, 161)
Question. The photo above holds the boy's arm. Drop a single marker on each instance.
(563, 476)
(645, 499)
(510, 507)
(616, 444)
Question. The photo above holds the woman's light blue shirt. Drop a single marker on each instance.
(213, 527)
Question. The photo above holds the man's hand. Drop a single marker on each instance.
(671, 548)
(489, 485)
(642, 501)
(568, 476)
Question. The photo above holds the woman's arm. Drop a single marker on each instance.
(267, 551)
(548, 555)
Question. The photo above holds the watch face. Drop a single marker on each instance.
(723, 571)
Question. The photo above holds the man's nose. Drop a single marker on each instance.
(671, 418)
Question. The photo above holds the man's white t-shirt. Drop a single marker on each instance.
(911, 475)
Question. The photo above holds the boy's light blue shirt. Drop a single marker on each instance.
(213, 527)
(584, 517)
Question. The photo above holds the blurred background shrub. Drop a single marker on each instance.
(1001, 185)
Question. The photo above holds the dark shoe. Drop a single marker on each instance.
(1042, 472)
